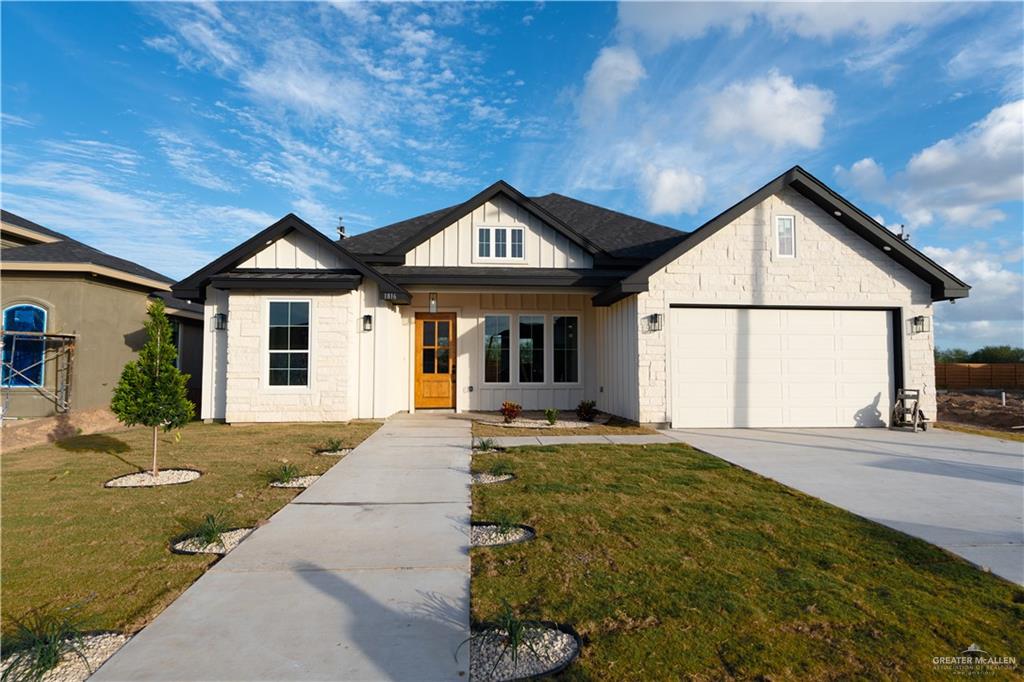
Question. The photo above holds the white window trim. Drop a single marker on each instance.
(579, 349)
(272, 388)
(513, 341)
(477, 258)
(46, 322)
(546, 332)
(778, 236)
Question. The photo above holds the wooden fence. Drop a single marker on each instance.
(979, 375)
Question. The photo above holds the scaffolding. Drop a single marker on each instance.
(58, 352)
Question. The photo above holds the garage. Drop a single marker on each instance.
(780, 367)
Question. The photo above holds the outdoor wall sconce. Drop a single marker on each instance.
(367, 323)
(220, 322)
(654, 322)
(433, 302)
(919, 324)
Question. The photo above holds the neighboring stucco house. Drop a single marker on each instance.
(91, 306)
(792, 308)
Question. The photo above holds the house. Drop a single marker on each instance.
(80, 314)
(791, 308)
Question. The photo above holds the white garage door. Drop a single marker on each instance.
(764, 367)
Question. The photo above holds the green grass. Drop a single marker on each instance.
(981, 431)
(68, 540)
(673, 564)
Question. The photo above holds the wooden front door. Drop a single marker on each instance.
(435, 360)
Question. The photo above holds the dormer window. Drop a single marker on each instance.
(499, 243)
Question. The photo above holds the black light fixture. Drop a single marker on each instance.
(654, 322)
(918, 324)
(220, 322)
(367, 323)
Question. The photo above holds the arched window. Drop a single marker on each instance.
(23, 355)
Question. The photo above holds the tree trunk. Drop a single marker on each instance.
(156, 471)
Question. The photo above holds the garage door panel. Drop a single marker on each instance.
(778, 368)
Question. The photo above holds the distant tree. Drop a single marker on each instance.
(951, 355)
(151, 390)
(998, 354)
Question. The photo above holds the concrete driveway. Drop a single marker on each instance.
(961, 492)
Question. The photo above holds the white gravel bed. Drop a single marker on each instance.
(298, 482)
(146, 479)
(527, 423)
(96, 648)
(485, 478)
(228, 541)
(487, 536)
(554, 649)
(334, 453)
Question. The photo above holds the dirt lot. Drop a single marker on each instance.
(981, 409)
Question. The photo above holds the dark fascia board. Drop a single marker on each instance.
(193, 287)
(945, 285)
(498, 188)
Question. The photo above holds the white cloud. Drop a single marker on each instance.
(774, 109)
(994, 311)
(672, 190)
(12, 120)
(661, 23)
(190, 162)
(614, 74)
(960, 180)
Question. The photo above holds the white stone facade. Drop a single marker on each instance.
(249, 397)
(739, 265)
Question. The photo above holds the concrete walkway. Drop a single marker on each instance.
(962, 492)
(364, 576)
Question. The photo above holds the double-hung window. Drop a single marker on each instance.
(499, 243)
(497, 349)
(531, 349)
(566, 344)
(289, 343)
(785, 236)
(24, 355)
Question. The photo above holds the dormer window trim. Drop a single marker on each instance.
(500, 244)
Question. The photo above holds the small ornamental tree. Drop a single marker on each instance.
(152, 390)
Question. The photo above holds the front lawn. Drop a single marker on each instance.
(981, 431)
(671, 563)
(67, 539)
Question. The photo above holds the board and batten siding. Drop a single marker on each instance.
(738, 265)
(543, 246)
(294, 251)
(615, 332)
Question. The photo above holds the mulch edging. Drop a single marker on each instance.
(221, 548)
(143, 474)
(537, 671)
(526, 534)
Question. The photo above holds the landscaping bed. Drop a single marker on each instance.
(67, 539)
(671, 563)
(534, 424)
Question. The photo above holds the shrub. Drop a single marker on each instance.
(283, 473)
(39, 640)
(511, 411)
(586, 410)
(209, 530)
(501, 468)
(485, 444)
(511, 632)
(504, 521)
(330, 445)
(551, 414)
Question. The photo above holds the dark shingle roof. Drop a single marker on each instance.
(172, 302)
(618, 234)
(383, 239)
(71, 251)
(15, 219)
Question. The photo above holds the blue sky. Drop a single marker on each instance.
(167, 133)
